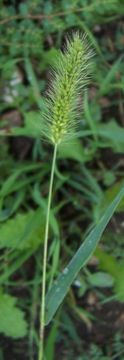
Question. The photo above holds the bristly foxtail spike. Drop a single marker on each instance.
(71, 75)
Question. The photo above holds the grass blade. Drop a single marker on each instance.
(60, 288)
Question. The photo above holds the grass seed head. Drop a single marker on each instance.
(71, 75)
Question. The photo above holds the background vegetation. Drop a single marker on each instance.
(89, 173)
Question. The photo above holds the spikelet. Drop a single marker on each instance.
(71, 75)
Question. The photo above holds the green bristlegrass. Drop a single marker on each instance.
(71, 75)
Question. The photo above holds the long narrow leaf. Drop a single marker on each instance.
(60, 288)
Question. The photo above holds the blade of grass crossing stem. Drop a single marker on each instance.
(60, 288)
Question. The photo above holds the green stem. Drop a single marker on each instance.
(42, 312)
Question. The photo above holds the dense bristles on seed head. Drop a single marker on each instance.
(70, 76)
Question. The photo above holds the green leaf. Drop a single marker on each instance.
(119, 283)
(60, 288)
(11, 184)
(33, 80)
(101, 279)
(107, 262)
(12, 322)
(111, 75)
(23, 231)
(32, 126)
(72, 150)
(114, 134)
(115, 268)
(110, 194)
(33, 123)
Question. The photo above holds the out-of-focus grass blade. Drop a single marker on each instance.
(23, 257)
(89, 119)
(51, 340)
(8, 184)
(34, 83)
(5, 213)
(110, 76)
(33, 80)
(60, 288)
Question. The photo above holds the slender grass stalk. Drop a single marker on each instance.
(60, 120)
(42, 312)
